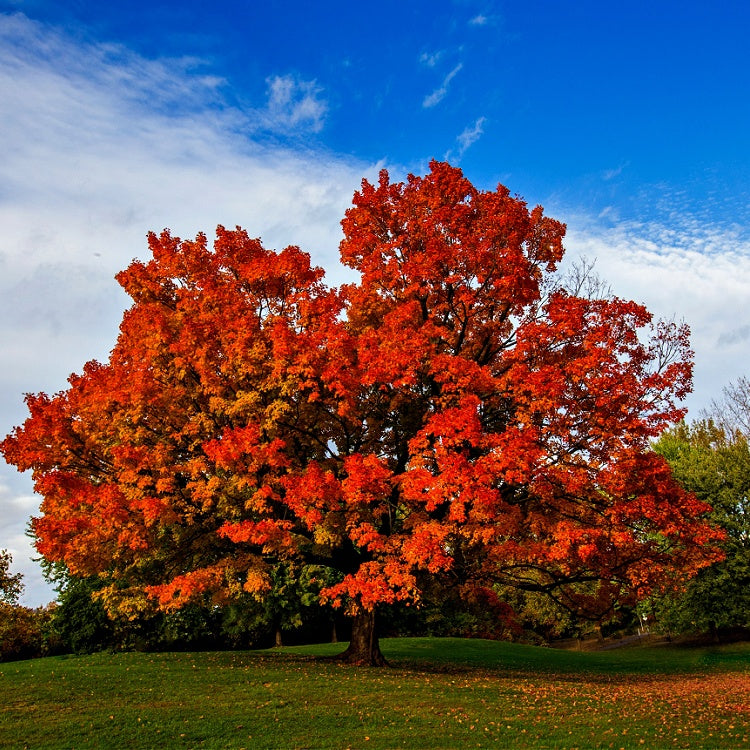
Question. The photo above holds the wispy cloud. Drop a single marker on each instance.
(610, 174)
(431, 59)
(439, 93)
(468, 137)
(479, 20)
(293, 103)
(736, 336)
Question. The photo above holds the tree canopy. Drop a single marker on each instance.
(455, 413)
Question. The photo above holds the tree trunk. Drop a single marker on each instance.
(278, 639)
(714, 631)
(364, 648)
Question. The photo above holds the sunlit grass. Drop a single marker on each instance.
(438, 693)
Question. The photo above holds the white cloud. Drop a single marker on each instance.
(470, 135)
(439, 93)
(610, 174)
(16, 505)
(479, 20)
(100, 146)
(735, 336)
(430, 59)
(293, 103)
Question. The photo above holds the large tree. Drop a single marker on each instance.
(455, 413)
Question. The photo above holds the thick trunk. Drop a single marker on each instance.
(364, 647)
(278, 638)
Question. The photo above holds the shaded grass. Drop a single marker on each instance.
(438, 693)
(463, 653)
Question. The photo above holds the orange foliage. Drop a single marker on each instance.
(455, 410)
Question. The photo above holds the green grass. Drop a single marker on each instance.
(438, 693)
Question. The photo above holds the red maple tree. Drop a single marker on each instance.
(455, 413)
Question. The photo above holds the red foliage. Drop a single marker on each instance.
(455, 410)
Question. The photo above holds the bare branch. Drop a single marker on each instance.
(731, 412)
(581, 280)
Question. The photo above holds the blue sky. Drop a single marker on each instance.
(628, 121)
(591, 99)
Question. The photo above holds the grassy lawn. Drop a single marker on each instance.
(438, 693)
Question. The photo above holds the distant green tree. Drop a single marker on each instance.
(714, 464)
(294, 592)
(191, 627)
(455, 609)
(79, 620)
(82, 624)
(11, 584)
(26, 633)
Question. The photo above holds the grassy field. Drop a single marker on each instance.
(438, 693)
